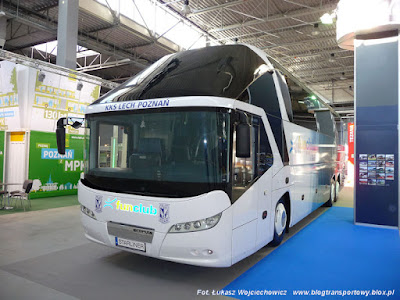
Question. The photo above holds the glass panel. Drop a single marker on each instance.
(223, 71)
(245, 169)
(112, 151)
(265, 156)
(180, 146)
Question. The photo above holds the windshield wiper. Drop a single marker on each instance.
(172, 65)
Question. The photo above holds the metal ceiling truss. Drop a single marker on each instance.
(282, 28)
(277, 17)
(35, 20)
(97, 62)
(48, 67)
(216, 7)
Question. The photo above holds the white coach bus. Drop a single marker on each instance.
(203, 158)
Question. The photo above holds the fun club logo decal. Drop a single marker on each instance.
(118, 205)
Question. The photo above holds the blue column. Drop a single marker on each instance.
(376, 130)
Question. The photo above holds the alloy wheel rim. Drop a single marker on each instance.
(280, 218)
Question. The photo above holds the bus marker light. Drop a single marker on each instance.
(207, 252)
(88, 212)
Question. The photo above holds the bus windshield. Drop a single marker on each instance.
(174, 153)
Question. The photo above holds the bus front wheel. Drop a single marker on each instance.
(280, 223)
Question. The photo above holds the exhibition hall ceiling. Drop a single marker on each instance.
(118, 38)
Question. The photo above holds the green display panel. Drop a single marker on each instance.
(54, 174)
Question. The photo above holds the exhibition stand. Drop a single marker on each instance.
(371, 29)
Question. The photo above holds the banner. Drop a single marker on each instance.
(9, 108)
(54, 174)
(2, 134)
(350, 135)
(58, 96)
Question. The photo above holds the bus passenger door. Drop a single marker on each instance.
(265, 160)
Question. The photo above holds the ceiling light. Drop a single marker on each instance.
(327, 18)
(315, 30)
(185, 8)
(332, 58)
(343, 77)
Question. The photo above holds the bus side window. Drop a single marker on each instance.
(244, 168)
(303, 114)
(247, 170)
(265, 157)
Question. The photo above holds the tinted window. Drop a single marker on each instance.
(263, 94)
(303, 113)
(326, 123)
(223, 71)
(247, 170)
(266, 158)
(286, 96)
(173, 153)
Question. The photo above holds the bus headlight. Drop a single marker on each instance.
(198, 225)
(88, 212)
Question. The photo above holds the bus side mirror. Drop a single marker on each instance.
(60, 133)
(243, 140)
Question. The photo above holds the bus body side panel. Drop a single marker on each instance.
(265, 232)
(250, 231)
(312, 167)
(188, 247)
(244, 221)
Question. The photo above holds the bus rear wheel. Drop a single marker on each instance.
(332, 194)
(280, 223)
(337, 189)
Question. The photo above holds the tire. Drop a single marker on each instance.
(337, 190)
(280, 223)
(332, 195)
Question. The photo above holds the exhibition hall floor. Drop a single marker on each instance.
(44, 255)
(39, 204)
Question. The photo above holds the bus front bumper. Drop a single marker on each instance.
(208, 248)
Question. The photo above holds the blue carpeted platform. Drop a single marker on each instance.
(329, 254)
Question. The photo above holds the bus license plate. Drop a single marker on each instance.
(130, 244)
